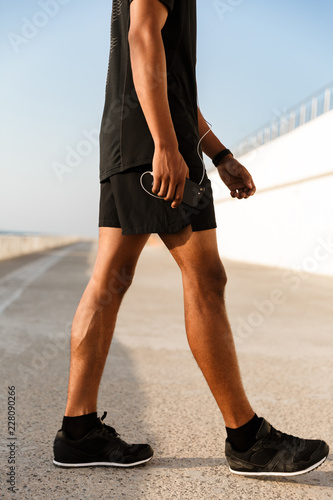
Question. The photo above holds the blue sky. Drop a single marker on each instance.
(255, 58)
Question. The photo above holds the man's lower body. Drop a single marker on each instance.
(127, 217)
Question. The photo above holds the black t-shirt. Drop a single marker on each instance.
(125, 139)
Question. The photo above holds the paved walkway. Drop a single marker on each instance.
(152, 387)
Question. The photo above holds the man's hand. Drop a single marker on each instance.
(169, 171)
(236, 178)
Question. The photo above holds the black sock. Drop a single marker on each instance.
(243, 438)
(77, 427)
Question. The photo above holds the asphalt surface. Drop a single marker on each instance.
(152, 388)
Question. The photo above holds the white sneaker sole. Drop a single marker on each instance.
(278, 473)
(109, 464)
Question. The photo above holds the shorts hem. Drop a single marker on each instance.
(153, 230)
(214, 226)
(145, 230)
(103, 223)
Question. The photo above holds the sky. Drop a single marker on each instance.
(255, 59)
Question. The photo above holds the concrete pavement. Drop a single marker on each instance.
(152, 388)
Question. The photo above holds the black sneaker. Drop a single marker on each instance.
(101, 446)
(276, 454)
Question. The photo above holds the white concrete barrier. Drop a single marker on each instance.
(288, 222)
(15, 245)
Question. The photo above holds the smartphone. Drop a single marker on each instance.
(193, 192)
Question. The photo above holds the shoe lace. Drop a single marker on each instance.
(107, 428)
(276, 436)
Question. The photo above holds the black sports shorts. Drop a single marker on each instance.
(124, 204)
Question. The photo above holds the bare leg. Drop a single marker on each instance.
(95, 318)
(207, 326)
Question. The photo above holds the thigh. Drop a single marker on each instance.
(194, 251)
(117, 254)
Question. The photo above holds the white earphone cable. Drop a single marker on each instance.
(198, 151)
(201, 158)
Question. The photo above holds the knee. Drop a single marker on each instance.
(215, 280)
(221, 275)
(209, 280)
(113, 286)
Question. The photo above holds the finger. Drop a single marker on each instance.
(246, 176)
(250, 192)
(156, 184)
(163, 189)
(171, 191)
(178, 195)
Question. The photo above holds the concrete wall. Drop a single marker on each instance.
(288, 222)
(13, 246)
